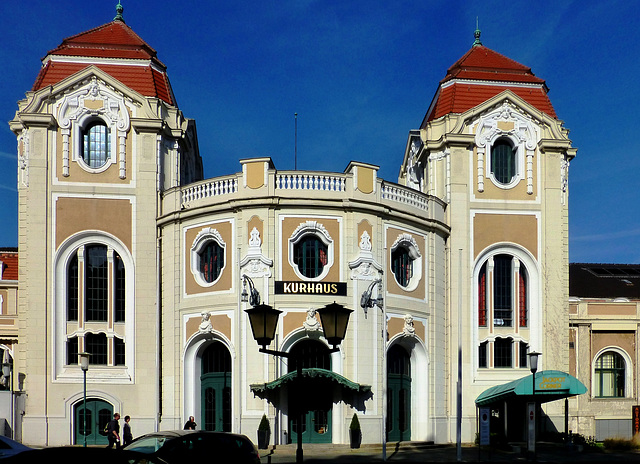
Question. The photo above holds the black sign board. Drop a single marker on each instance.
(283, 287)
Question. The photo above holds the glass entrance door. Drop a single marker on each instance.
(98, 415)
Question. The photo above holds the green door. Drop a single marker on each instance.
(98, 415)
(398, 394)
(316, 426)
(215, 386)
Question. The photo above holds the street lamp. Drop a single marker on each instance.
(253, 296)
(264, 319)
(84, 365)
(533, 365)
(366, 300)
(6, 371)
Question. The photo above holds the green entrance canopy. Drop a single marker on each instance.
(549, 386)
(313, 373)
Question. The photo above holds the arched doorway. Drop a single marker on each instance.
(215, 381)
(98, 415)
(398, 394)
(317, 403)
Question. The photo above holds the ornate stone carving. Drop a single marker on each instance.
(365, 266)
(311, 323)
(72, 110)
(256, 264)
(523, 133)
(205, 325)
(408, 330)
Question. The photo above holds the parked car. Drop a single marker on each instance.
(181, 446)
(9, 447)
(79, 454)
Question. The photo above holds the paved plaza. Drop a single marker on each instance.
(420, 452)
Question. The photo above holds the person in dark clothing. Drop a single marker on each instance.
(127, 436)
(113, 432)
(190, 424)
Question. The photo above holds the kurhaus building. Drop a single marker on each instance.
(127, 253)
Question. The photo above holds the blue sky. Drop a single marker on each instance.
(360, 75)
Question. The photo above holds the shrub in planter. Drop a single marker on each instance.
(264, 433)
(355, 433)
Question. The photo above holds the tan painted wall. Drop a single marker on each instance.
(613, 309)
(289, 225)
(391, 284)
(74, 215)
(225, 281)
(495, 228)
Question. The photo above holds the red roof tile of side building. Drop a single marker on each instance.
(119, 51)
(481, 74)
(9, 265)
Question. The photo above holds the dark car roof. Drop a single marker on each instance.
(181, 433)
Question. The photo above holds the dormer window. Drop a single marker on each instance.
(96, 146)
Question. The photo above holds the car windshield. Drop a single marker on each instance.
(147, 445)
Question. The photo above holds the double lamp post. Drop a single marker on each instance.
(263, 318)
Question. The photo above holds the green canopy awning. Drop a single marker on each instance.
(549, 386)
(313, 373)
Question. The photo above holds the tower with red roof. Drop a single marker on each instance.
(492, 147)
(100, 137)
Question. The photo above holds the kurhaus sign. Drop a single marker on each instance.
(310, 288)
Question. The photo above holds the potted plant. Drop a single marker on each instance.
(355, 433)
(264, 433)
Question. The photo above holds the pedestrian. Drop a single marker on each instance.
(126, 431)
(190, 424)
(113, 432)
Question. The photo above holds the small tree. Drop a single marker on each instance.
(355, 434)
(355, 423)
(264, 432)
(264, 424)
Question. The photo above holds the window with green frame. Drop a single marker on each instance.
(310, 255)
(211, 261)
(402, 265)
(503, 161)
(610, 373)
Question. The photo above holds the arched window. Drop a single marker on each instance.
(402, 265)
(208, 257)
(96, 144)
(97, 283)
(310, 255)
(95, 293)
(610, 375)
(314, 354)
(509, 288)
(503, 161)
(211, 261)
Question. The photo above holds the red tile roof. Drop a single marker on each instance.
(9, 265)
(119, 51)
(481, 74)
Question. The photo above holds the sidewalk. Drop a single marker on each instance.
(425, 452)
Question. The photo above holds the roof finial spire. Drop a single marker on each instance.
(476, 34)
(119, 11)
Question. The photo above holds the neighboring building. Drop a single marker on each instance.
(604, 318)
(128, 254)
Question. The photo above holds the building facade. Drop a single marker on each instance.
(456, 271)
(603, 336)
